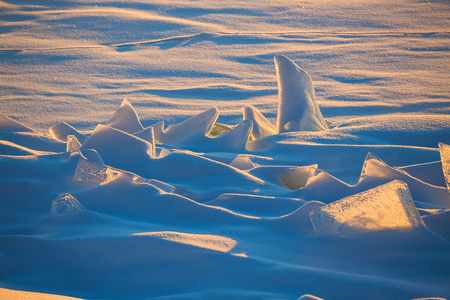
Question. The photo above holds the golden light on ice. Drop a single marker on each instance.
(388, 206)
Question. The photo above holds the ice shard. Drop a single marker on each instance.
(126, 119)
(261, 126)
(444, 150)
(385, 207)
(65, 204)
(72, 144)
(297, 109)
(90, 173)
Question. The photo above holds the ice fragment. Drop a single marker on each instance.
(72, 144)
(93, 173)
(388, 206)
(65, 204)
(444, 150)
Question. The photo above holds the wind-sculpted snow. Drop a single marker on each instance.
(355, 209)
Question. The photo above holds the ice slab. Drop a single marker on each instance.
(384, 207)
(444, 150)
(72, 144)
(65, 204)
(297, 109)
(261, 126)
(126, 119)
(377, 172)
(89, 173)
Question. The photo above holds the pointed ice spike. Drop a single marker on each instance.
(61, 131)
(199, 124)
(65, 204)
(261, 126)
(444, 150)
(72, 144)
(126, 119)
(297, 109)
(8, 124)
(386, 207)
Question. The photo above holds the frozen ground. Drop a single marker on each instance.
(341, 195)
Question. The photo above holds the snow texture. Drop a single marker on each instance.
(208, 181)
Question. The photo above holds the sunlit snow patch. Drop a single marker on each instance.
(207, 241)
(444, 150)
(65, 204)
(388, 206)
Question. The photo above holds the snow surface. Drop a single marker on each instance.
(224, 149)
